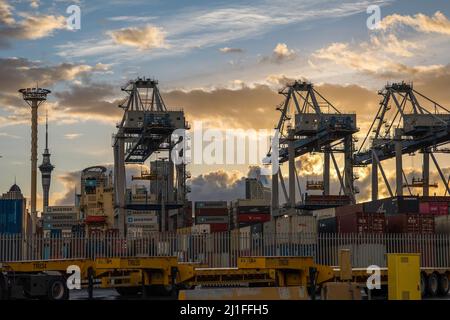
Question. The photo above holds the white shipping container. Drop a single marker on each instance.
(324, 213)
(283, 225)
(201, 229)
(269, 227)
(303, 224)
(442, 224)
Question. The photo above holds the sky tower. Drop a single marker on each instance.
(46, 168)
(34, 98)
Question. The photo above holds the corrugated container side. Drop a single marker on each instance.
(253, 210)
(361, 223)
(410, 223)
(328, 225)
(283, 225)
(211, 219)
(303, 224)
(442, 224)
(253, 217)
(269, 227)
(211, 212)
(218, 227)
(349, 209)
(325, 213)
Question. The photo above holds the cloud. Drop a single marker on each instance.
(438, 23)
(144, 38)
(8, 135)
(30, 27)
(281, 52)
(231, 50)
(6, 16)
(24, 73)
(34, 4)
(375, 58)
(91, 100)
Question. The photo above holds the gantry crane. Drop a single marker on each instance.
(145, 129)
(401, 126)
(319, 127)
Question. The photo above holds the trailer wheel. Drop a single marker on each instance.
(433, 284)
(2, 287)
(128, 291)
(423, 284)
(443, 285)
(57, 289)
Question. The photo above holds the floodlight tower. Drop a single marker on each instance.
(34, 97)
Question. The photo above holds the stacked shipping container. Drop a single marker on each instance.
(248, 212)
(213, 213)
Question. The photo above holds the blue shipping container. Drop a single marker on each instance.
(11, 212)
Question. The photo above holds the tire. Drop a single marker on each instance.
(443, 285)
(433, 284)
(423, 284)
(3, 289)
(128, 291)
(57, 289)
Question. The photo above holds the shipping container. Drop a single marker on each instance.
(328, 225)
(410, 223)
(283, 225)
(329, 200)
(324, 213)
(211, 212)
(211, 204)
(303, 224)
(201, 229)
(349, 209)
(442, 224)
(257, 228)
(361, 223)
(253, 210)
(253, 218)
(218, 227)
(212, 219)
(269, 227)
(393, 205)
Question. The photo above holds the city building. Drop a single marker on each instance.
(97, 199)
(60, 220)
(14, 218)
(46, 169)
(255, 190)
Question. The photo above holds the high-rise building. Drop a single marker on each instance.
(255, 190)
(46, 168)
(13, 215)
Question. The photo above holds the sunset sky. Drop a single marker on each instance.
(221, 61)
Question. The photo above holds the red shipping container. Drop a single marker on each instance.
(211, 212)
(218, 227)
(349, 209)
(361, 223)
(410, 223)
(253, 217)
(424, 208)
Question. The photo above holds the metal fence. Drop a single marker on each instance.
(223, 249)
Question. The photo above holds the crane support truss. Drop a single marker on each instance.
(145, 129)
(318, 127)
(407, 128)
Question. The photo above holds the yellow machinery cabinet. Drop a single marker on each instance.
(404, 276)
